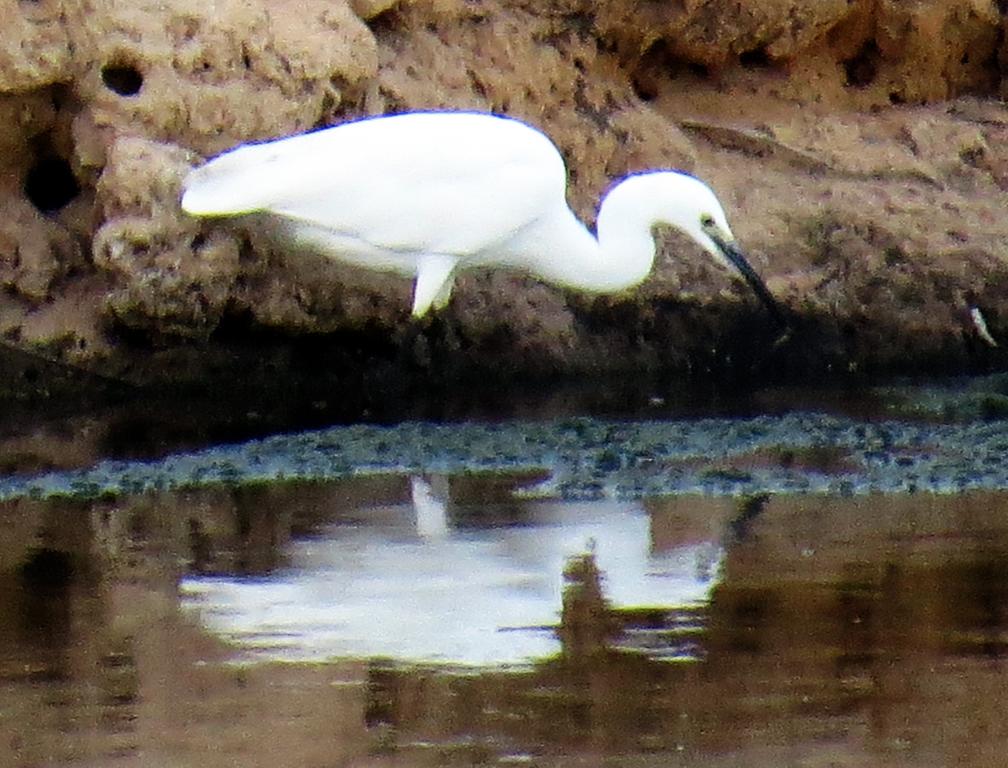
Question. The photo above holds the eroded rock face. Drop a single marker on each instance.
(210, 76)
(892, 50)
(35, 51)
(170, 279)
(859, 148)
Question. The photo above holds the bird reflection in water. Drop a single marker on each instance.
(458, 581)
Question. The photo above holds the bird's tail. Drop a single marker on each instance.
(234, 183)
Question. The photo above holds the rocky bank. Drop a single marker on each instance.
(860, 147)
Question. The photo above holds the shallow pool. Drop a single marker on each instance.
(423, 618)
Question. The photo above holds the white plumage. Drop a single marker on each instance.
(426, 194)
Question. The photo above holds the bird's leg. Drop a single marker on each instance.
(434, 279)
(444, 295)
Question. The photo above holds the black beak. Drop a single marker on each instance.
(738, 260)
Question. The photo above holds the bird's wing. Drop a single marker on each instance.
(444, 183)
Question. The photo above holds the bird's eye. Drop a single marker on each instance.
(706, 220)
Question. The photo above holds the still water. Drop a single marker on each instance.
(424, 619)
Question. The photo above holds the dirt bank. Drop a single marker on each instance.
(861, 149)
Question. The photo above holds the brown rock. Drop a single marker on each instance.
(34, 252)
(171, 281)
(713, 34)
(368, 9)
(211, 76)
(859, 148)
(35, 48)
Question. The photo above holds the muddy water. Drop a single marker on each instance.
(430, 620)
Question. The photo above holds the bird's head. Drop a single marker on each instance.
(681, 200)
(689, 205)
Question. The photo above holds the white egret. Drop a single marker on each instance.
(426, 194)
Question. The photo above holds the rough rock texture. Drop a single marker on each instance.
(860, 147)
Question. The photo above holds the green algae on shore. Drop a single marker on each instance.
(588, 458)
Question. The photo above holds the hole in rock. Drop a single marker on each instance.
(659, 65)
(124, 79)
(47, 568)
(50, 183)
(757, 58)
(861, 69)
(645, 85)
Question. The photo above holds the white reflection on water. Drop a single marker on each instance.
(421, 589)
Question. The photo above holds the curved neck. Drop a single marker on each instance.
(620, 257)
